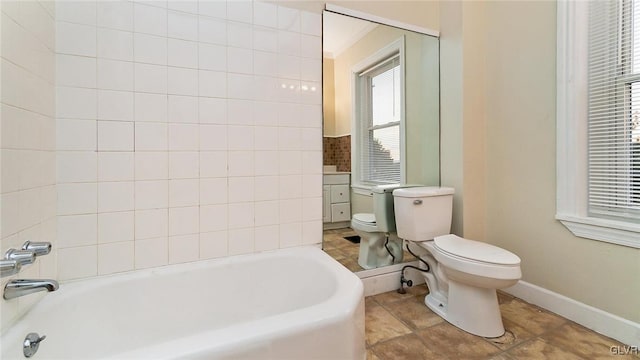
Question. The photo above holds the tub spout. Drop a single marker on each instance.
(20, 287)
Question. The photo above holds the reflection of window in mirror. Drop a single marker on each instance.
(380, 122)
(378, 139)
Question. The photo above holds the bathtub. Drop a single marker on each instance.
(295, 303)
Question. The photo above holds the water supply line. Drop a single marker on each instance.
(403, 280)
(386, 246)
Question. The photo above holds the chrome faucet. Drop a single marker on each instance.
(13, 262)
(20, 287)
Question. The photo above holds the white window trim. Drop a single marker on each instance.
(397, 46)
(571, 115)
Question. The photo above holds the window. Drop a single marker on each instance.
(379, 139)
(614, 108)
(598, 120)
(380, 122)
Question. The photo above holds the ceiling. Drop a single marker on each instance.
(339, 32)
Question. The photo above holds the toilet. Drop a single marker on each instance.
(375, 229)
(463, 274)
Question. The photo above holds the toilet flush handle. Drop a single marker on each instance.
(417, 202)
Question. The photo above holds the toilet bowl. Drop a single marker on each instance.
(466, 274)
(463, 274)
(375, 250)
(379, 243)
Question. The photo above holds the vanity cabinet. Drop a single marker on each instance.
(336, 200)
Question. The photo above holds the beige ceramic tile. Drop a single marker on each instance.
(501, 356)
(419, 291)
(352, 251)
(414, 313)
(380, 325)
(408, 347)
(504, 297)
(540, 350)
(371, 355)
(335, 253)
(583, 342)
(532, 333)
(514, 335)
(453, 343)
(353, 266)
(370, 301)
(530, 317)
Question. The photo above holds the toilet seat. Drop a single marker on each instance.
(474, 257)
(474, 251)
(365, 218)
(364, 222)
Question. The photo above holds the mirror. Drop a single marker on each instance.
(381, 126)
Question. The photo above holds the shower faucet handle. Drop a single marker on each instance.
(9, 267)
(14, 259)
(38, 248)
(22, 257)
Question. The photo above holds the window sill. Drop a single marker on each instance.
(610, 231)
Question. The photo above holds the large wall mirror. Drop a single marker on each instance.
(381, 128)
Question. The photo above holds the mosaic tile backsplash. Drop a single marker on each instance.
(337, 151)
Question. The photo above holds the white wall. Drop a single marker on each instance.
(185, 132)
(27, 110)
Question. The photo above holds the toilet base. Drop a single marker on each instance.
(373, 253)
(472, 309)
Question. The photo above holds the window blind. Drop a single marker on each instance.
(380, 125)
(614, 110)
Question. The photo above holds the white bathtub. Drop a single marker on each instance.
(295, 303)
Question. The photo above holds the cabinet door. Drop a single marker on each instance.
(339, 193)
(340, 212)
(326, 203)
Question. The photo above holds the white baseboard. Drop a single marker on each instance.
(613, 326)
(381, 280)
(336, 225)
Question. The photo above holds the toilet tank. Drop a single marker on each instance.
(383, 206)
(422, 213)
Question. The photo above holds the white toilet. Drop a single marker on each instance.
(374, 230)
(464, 274)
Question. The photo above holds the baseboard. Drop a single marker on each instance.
(381, 280)
(336, 225)
(613, 326)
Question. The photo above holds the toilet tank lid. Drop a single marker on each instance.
(423, 191)
(475, 250)
(387, 188)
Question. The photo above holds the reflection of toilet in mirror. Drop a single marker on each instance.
(462, 275)
(372, 134)
(379, 243)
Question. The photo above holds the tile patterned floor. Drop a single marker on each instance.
(346, 252)
(401, 327)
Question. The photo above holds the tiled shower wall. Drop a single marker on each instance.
(185, 131)
(28, 182)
